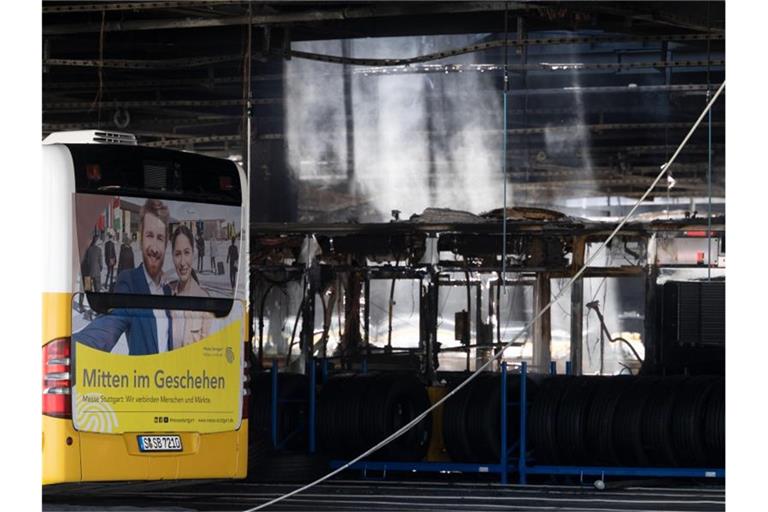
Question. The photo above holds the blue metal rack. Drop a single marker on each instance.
(524, 469)
(507, 460)
(501, 467)
(274, 417)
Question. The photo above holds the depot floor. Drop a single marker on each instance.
(381, 495)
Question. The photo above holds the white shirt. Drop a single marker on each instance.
(161, 317)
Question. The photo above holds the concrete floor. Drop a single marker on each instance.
(385, 496)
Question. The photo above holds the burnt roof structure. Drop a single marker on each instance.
(625, 80)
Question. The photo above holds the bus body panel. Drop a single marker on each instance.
(60, 258)
(73, 456)
(57, 316)
(220, 455)
(61, 461)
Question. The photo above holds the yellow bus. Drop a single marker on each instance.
(144, 348)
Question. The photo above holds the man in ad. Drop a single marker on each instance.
(110, 258)
(147, 331)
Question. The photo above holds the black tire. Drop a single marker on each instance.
(489, 438)
(714, 425)
(688, 420)
(454, 424)
(392, 401)
(288, 467)
(293, 395)
(259, 448)
(542, 419)
(627, 422)
(340, 433)
(483, 417)
(570, 428)
(600, 415)
(656, 425)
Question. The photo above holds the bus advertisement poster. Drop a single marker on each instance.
(157, 330)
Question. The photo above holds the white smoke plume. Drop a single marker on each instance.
(420, 139)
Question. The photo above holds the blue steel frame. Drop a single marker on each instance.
(275, 403)
(602, 471)
(503, 466)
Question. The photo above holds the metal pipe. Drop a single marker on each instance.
(521, 463)
(312, 398)
(504, 456)
(709, 194)
(273, 403)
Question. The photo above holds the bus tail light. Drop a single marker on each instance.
(57, 379)
(246, 379)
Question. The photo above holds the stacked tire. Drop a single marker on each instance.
(293, 394)
(472, 418)
(629, 421)
(358, 411)
(290, 463)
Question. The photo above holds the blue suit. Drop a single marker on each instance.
(139, 325)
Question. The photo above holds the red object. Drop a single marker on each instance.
(57, 398)
(93, 172)
(225, 183)
(700, 257)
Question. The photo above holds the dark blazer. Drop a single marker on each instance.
(126, 258)
(109, 252)
(139, 325)
(93, 261)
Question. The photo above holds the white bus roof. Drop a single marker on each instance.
(91, 137)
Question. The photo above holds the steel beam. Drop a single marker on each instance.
(577, 305)
(132, 6)
(542, 328)
(380, 10)
(143, 63)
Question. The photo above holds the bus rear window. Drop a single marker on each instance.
(157, 253)
(157, 173)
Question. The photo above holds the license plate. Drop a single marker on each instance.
(159, 443)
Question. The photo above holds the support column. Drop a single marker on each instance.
(577, 306)
(542, 328)
(428, 307)
(307, 336)
(351, 340)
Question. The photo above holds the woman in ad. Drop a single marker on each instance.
(188, 326)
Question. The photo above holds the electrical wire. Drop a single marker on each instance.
(504, 148)
(479, 47)
(391, 307)
(709, 165)
(299, 314)
(97, 100)
(500, 352)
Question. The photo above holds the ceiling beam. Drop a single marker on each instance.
(64, 8)
(377, 10)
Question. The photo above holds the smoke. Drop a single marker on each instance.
(563, 142)
(419, 139)
(423, 139)
(315, 116)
